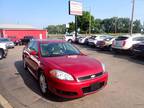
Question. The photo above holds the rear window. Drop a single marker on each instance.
(93, 37)
(120, 38)
(69, 35)
(4, 40)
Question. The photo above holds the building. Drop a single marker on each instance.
(16, 31)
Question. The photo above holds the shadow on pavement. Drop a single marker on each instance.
(32, 83)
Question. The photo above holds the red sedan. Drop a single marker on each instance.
(62, 69)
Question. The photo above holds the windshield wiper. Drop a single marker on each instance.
(56, 55)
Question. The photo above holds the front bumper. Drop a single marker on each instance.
(75, 89)
(11, 46)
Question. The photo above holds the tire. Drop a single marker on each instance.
(1, 54)
(43, 84)
(70, 41)
(109, 48)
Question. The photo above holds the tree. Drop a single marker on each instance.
(56, 29)
(112, 25)
(97, 26)
(83, 22)
(71, 27)
(123, 25)
(137, 26)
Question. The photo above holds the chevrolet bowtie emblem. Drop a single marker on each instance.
(93, 76)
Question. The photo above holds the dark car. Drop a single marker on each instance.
(138, 49)
(62, 69)
(26, 40)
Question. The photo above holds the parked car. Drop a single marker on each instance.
(77, 38)
(69, 37)
(138, 49)
(105, 43)
(9, 43)
(83, 40)
(25, 40)
(63, 69)
(92, 41)
(126, 42)
(72, 38)
(3, 50)
(17, 42)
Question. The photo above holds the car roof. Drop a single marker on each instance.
(130, 36)
(48, 40)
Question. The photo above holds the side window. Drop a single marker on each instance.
(35, 47)
(30, 45)
(142, 38)
(137, 39)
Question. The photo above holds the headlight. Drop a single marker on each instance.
(103, 67)
(61, 75)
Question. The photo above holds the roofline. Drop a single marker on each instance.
(20, 29)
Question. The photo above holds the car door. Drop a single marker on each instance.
(34, 59)
(137, 40)
(27, 55)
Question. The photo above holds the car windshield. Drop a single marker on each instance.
(108, 38)
(69, 35)
(93, 37)
(4, 40)
(58, 49)
(120, 38)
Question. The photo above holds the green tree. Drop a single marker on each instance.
(56, 29)
(97, 26)
(83, 22)
(137, 26)
(123, 25)
(71, 27)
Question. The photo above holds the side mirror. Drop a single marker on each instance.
(34, 53)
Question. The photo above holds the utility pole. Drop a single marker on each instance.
(115, 25)
(132, 15)
(90, 23)
(75, 25)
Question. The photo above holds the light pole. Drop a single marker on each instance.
(90, 23)
(132, 15)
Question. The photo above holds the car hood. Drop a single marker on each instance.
(76, 65)
(8, 42)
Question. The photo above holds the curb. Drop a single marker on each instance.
(4, 103)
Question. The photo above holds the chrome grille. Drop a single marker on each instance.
(93, 76)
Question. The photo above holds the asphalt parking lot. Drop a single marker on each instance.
(124, 90)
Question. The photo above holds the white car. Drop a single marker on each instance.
(126, 42)
(82, 40)
(3, 50)
(70, 37)
(9, 43)
(92, 41)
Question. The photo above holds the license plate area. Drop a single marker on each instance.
(93, 87)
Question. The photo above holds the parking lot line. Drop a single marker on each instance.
(4, 103)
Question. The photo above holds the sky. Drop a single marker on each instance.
(41, 13)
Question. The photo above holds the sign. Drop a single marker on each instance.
(75, 8)
(67, 25)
